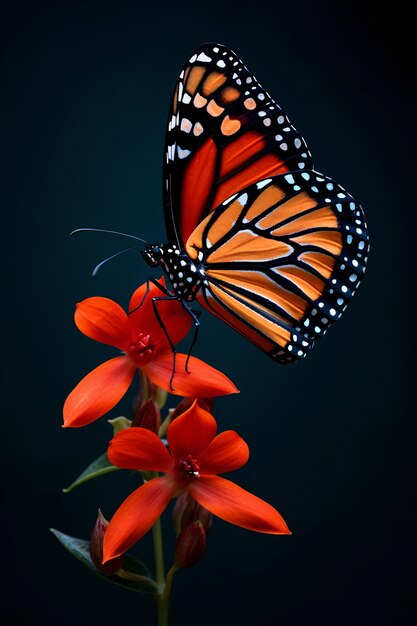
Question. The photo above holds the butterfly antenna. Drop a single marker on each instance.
(112, 232)
(97, 267)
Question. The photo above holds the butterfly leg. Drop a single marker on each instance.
(162, 325)
(149, 280)
(194, 316)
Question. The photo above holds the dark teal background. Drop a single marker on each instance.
(85, 90)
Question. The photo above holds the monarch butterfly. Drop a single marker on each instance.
(256, 235)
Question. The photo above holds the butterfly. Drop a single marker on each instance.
(255, 235)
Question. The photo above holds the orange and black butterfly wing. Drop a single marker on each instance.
(224, 133)
(282, 259)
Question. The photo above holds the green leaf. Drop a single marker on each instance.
(97, 468)
(132, 566)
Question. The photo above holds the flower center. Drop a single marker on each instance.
(142, 350)
(189, 466)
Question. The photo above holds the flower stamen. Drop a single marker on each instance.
(189, 466)
(141, 350)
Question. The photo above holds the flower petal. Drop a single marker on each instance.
(98, 392)
(237, 506)
(136, 516)
(175, 318)
(103, 320)
(227, 452)
(139, 449)
(191, 432)
(201, 379)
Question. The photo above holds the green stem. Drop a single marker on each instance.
(158, 553)
(145, 386)
(164, 597)
(161, 599)
(168, 583)
(121, 573)
(162, 604)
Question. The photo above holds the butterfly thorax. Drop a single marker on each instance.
(185, 276)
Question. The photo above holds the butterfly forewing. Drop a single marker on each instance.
(283, 258)
(224, 133)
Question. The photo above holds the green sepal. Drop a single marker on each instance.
(80, 549)
(119, 423)
(161, 397)
(97, 468)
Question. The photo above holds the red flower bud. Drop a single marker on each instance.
(184, 405)
(148, 416)
(190, 545)
(187, 510)
(96, 548)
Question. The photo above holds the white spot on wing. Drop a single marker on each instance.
(230, 199)
(186, 125)
(171, 151)
(203, 57)
(243, 199)
(263, 183)
(182, 154)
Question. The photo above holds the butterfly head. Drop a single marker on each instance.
(153, 254)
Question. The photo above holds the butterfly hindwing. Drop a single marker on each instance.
(283, 258)
(224, 133)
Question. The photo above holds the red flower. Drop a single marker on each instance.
(145, 347)
(196, 456)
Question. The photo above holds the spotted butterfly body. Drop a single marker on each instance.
(257, 237)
